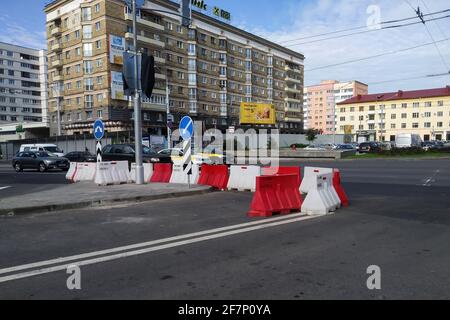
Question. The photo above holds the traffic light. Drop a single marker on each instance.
(147, 74)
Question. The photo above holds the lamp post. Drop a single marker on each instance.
(137, 105)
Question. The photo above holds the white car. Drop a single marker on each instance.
(50, 148)
(315, 148)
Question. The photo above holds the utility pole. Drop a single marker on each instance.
(137, 105)
(169, 132)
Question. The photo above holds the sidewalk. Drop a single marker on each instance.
(84, 195)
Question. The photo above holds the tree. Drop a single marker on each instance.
(311, 135)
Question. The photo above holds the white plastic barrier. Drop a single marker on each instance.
(309, 182)
(243, 178)
(72, 171)
(148, 172)
(179, 177)
(316, 202)
(120, 172)
(103, 175)
(85, 172)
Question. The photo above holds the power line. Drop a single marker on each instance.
(420, 16)
(375, 56)
(365, 31)
(412, 78)
(361, 27)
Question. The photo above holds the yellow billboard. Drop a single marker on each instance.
(257, 113)
(348, 129)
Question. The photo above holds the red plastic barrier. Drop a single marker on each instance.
(215, 176)
(278, 194)
(161, 172)
(339, 189)
(271, 171)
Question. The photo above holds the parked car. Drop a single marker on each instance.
(52, 148)
(41, 161)
(81, 156)
(369, 147)
(315, 148)
(126, 152)
(432, 145)
(345, 147)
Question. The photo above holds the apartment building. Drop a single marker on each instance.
(381, 116)
(319, 102)
(208, 69)
(23, 88)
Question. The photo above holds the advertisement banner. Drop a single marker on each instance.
(257, 113)
(117, 92)
(116, 49)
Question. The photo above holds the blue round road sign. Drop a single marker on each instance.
(186, 128)
(99, 129)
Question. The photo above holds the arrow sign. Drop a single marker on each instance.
(186, 128)
(99, 129)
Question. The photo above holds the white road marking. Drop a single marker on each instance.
(432, 179)
(243, 228)
(3, 188)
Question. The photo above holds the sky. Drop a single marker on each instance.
(282, 20)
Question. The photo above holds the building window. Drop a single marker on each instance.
(87, 32)
(98, 44)
(87, 49)
(98, 26)
(427, 124)
(97, 8)
(89, 103)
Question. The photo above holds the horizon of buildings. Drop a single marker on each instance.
(382, 116)
(23, 91)
(209, 69)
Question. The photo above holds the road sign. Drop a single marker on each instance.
(186, 128)
(99, 129)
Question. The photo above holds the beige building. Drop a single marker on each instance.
(209, 68)
(319, 103)
(382, 116)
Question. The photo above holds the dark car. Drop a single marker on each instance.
(126, 152)
(41, 161)
(369, 147)
(345, 147)
(81, 156)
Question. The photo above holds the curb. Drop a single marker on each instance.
(97, 203)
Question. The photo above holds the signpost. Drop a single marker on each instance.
(99, 133)
(186, 132)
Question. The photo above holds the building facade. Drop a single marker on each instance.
(382, 116)
(206, 70)
(319, 103)
(23, 88)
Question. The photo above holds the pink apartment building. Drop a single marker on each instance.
(320, 102)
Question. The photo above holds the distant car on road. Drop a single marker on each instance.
(41, 161)
(369, 147)
(81, 156)
(52, 148)
(126, 152)
(345, 147)
(315, 148)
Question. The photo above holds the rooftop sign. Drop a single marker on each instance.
(216, 11)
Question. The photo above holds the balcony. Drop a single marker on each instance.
(296, 120)
(149, 106)
(56, 31)
(288, 68)
(160, 60)
(293, 90)
(289, 79)
(154, 25)
(56, 47)
(146, 39)
(288, 99)
(58, 77)
(160, 76)
(290, 109)
(57, 63)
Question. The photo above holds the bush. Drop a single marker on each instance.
(412, 151)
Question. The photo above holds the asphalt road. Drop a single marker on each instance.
(399, 220)
(29, 181)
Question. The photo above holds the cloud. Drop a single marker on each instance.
(316, 17)
(15, 34)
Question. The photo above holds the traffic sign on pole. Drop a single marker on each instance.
(186, 128)
(99, 129)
